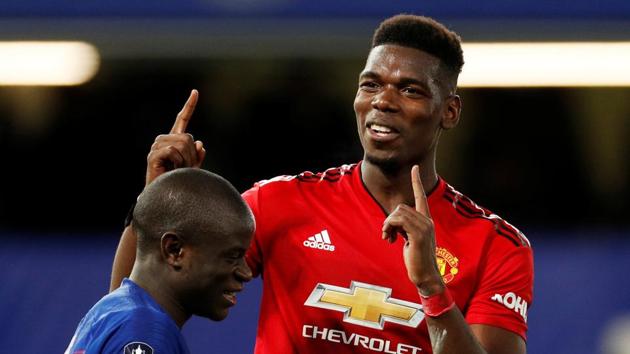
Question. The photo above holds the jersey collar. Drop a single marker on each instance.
(368, 199)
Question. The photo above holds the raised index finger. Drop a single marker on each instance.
(183, 117)
(418, 192)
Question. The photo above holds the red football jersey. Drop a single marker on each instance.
(332, 285)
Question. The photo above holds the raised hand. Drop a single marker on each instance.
(177, 148)
(416, 226)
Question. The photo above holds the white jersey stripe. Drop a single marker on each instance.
(326, 236)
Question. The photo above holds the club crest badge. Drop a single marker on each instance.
(138, 348)
(447, 264)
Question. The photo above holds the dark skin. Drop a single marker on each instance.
(186, 279)
(403, 91)
(169, 151)
(405, 100)
(150, 275)
(214, 273)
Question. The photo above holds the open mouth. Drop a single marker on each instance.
(382, 132)
(230, 296)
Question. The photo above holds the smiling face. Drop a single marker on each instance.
(402, 104)
(193, 230)
(213, 272)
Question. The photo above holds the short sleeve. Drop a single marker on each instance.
(145, 334)
(505, 290)
(254, 254)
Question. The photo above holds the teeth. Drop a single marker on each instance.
(380, 129)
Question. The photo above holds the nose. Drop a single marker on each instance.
(386, 100)
(243, 273)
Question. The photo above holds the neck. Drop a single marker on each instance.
(391, 188)
(147, 275)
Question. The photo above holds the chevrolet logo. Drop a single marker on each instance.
(366, 305)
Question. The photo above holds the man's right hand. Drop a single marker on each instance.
(177, 148)
(170, 151)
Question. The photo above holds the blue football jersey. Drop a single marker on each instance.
(127, 321)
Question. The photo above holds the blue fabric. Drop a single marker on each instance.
(127, 315)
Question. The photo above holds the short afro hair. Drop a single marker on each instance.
(425, 34)
(191, 202)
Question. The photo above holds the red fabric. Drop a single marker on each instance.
(481, 255)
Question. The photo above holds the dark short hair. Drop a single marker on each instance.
(193, 203)
(425, 34)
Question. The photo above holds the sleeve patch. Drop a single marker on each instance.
(512, 302)
(138, 348)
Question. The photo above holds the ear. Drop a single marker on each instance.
(450, 116)
(173, 251)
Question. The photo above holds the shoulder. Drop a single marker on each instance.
(330, 175)
(109, 311)
(109, 328)
(146, 329)
(142, 316)
(284, 201)
(118, 310)
(466, 213)
(289, 185)
(132, 311)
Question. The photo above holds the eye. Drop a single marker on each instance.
(369, 86)
(413, 91)
(234, 256)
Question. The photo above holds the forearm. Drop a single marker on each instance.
(450, 334)
(448, 330)
(124, 258)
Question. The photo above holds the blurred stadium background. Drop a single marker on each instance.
(277, 79)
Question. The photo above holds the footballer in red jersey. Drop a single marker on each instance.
(454, 277)
(330, 284)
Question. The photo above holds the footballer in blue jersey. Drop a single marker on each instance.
(128, 321)
(193, 230)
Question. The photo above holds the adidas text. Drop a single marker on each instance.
(320, 241)
(319, 245)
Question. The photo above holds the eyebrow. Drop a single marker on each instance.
(237, 249)
(403, 82)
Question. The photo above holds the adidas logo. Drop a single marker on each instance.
(320, 241)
